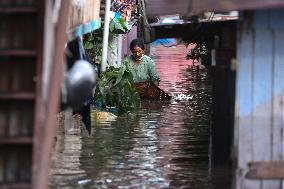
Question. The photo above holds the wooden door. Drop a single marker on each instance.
(20, 73)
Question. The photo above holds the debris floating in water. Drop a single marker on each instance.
(182, 97)
(81, 182)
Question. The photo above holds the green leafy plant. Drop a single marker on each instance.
(115, 88)
(119, 25)
(93, 44)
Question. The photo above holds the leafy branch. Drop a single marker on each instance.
(115, 88)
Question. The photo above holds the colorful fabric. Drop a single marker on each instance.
(142, 72)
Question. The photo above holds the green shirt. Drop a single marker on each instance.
(144, 71)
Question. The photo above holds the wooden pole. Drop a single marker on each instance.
(49, 121)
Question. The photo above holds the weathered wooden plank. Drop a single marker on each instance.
(263, 75)
(267, 90)
(278, 91)
(244, 103)
(261, 19)
(277, 120)
(262, 96)
(277, 18)
(266, 170)
(83, 12)
(244, 96)
(271, 184)
(46, 124)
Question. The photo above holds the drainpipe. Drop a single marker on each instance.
(119, 50)
(105, 36)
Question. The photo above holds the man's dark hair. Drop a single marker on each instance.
(137, 42)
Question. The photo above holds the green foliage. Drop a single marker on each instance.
(119, 25)
(115, 89)
(93, 45)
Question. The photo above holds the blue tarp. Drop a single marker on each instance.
(165, 42)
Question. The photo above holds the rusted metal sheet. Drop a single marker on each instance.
(266, 170)
(167, 7)
(189, 7)
(227, 5)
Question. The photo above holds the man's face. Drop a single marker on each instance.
(137, 53)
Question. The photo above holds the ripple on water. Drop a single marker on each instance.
(163, 145)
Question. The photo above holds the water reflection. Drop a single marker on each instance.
(163, 145)
(65, 162)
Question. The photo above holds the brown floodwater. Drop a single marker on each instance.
(162, 145)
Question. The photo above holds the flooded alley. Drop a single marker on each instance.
(162, 145)
(73, 73)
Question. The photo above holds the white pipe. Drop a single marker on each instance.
(105, 36)
(119, 50)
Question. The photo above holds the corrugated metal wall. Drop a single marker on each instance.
(167, 7)
(260, 93)
(185, 7)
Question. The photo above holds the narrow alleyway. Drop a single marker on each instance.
(163, 145)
